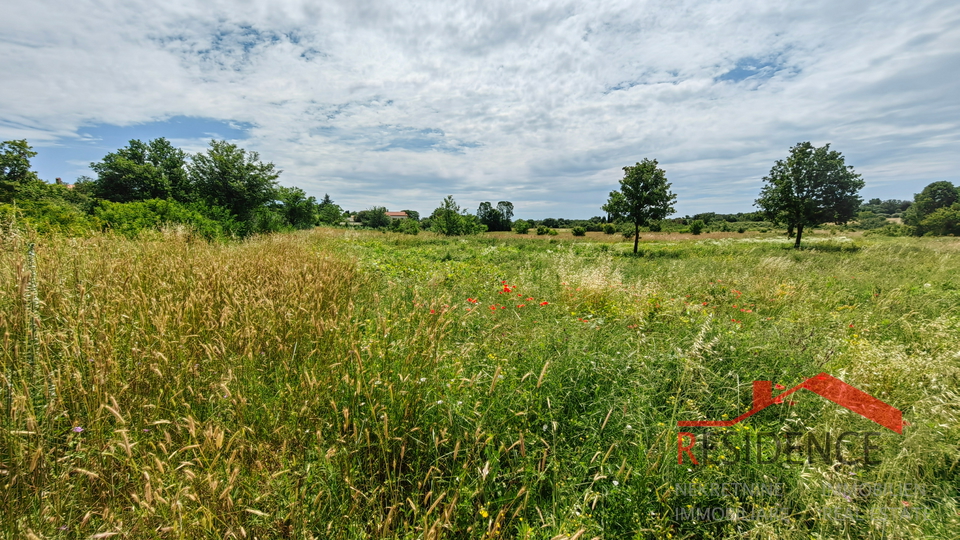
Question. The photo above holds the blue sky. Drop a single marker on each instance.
(540, 103)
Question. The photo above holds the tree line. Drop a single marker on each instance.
(812, 186)
(222, 192)
(227, 191)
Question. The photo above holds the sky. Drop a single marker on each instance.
(541, 103)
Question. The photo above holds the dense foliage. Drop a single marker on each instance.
(223, 192)
(812, 186)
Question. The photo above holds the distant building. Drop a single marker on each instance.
(397, 215)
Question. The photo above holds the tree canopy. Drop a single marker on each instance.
(228, 176)
(449, 220)
(15, 167)
(141, 171)
(812, 186)
(644, 197)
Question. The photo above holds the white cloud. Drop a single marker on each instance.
(540, 103)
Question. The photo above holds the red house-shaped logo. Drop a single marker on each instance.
(825, 385)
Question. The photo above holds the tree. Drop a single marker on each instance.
(521, 226)
(296, 208)
(233, 178)
(812, 186)
(15, 167)
(644, 197)
(448, 220)
(933, 197)
(412, 214)
(142, 171)
(328, 213)
(375, 218)
(489, 216)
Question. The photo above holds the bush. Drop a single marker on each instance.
(696, 227)
(129, 219)
(892, 229)
(409, 226)
(542, 230)
(521, 226)
(741, 230)
(655, 226)
(579, 231)
(609, 228)
(552, 232)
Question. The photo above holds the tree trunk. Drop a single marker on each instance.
(796, 244)
(636, 237)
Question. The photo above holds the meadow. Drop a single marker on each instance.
(350, 384)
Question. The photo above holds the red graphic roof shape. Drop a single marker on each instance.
(825, 385)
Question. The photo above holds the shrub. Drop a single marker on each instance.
(131, 218)
(741, 230)
(655, 226)
(609, 228)
(409, 226)
(579, 231)
(521, 226)
(552, 232)
(696, 227)
(542, 230)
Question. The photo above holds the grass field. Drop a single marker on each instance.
(348, 384)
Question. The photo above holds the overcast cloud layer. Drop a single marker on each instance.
(539, 103)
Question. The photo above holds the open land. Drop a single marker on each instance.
(352, 384)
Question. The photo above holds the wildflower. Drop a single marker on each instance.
(433, 311)
(779, 386)
(484, 513)
(77, 429)
(615, 483)
(529, 299)
(520, 305)
(544, 303)
(851, 325)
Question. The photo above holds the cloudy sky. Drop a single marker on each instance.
(540, 103)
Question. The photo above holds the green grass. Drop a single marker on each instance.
(340, 384)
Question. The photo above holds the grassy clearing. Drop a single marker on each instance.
(343, 384)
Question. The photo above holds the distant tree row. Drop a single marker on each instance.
(225, 191)
(812, 186)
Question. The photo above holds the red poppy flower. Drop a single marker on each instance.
(433, 311)
(544, 303)
(779, 386)
(520, 305)
(530, 299)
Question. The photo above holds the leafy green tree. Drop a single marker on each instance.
(375, 218)
(696, 227)
(296, 208)
(229, 176)
(644, 197)
(449, 220)
(141, 171)
(943, 221)
(412, 214)
(329, 213)
(408, 226)
(812, 186)
(521, 226)
(489, 216)
(933, 197)
(15, 167)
